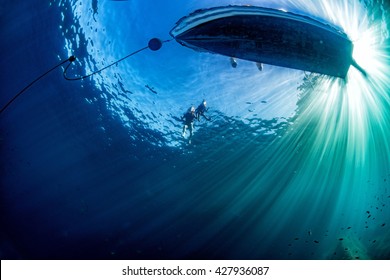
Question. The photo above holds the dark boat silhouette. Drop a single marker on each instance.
(269, 36)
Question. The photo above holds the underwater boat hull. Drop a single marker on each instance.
(267, 36)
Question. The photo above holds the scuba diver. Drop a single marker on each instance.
(202, 108)
(189, 118)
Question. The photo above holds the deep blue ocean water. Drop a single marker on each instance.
(292, 165)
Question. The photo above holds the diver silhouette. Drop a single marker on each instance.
(188, 119)
(201, 109)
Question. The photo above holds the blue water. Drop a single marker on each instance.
(292, 165)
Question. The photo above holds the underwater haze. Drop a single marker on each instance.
(292, 165)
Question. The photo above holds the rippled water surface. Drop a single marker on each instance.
(292, 165)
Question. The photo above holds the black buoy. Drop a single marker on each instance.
(155, 44)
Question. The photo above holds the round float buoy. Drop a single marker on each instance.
(155, 44)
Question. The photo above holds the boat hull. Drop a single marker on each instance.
(268, 36)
